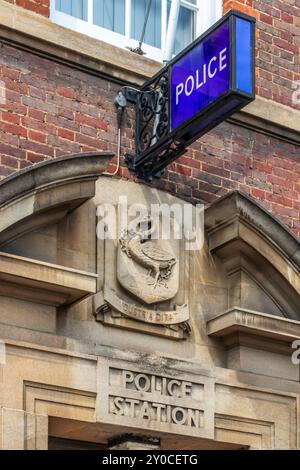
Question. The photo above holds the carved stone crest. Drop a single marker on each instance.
(143, 281)
(145, 267)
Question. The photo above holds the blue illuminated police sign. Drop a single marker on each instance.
(210, 80)
(217, 67)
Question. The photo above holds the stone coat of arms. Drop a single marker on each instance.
(144, 281)
(145, 268)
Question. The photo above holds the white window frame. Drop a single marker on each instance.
(208, 11)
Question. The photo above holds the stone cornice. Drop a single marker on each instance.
(47, 191)
(242, 327)
(37, 33)
(270, 118)
(37, 196)
(81, 166)
(257, 323)
(238, 229)
(42, 282)
(237, 206)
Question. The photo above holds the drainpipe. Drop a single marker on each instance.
(172, 25)
(171, 31)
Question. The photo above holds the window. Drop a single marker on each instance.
(120, 22)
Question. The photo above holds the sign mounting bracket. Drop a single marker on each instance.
(206, 83)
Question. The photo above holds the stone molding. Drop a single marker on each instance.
(35, 197)
(237, 218)
(35, 177)
(47, 190)
(275, 333)
(23, 28)
(240, 413)
(42, 282)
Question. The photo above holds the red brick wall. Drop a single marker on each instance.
(278, 41)
(278, 46)
(50, 110)
(38, 6)
(234, 158)
(53, 110)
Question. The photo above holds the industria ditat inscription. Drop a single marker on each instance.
(138, 398)
(144, 280)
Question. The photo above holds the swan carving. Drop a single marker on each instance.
(136, 243)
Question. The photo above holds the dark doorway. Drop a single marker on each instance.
(56, 443)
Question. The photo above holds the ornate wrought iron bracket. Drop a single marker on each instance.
(155, 149)
(165, 127)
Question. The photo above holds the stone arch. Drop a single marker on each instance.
(45, 192)
(34, 198)
(251, 242)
